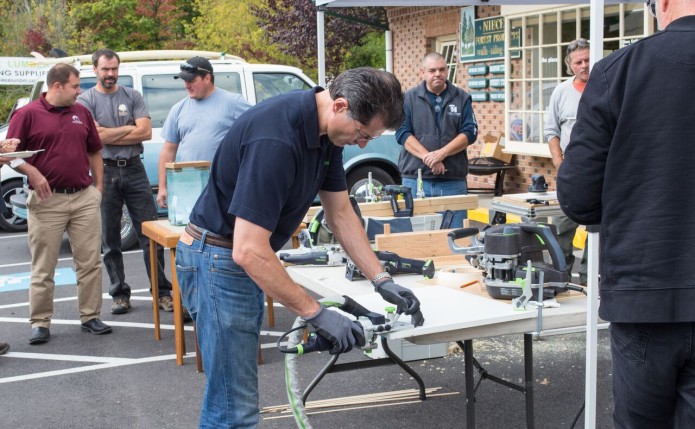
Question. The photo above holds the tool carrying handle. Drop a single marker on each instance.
(462, 233)
(395, 264)
(315, 258)
(551, 242)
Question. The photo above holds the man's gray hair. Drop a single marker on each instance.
(370, 93)
(432, 56)
(575, 45)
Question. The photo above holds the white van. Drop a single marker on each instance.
(152, 72)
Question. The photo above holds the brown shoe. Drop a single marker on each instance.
(166, 303)
(120, 306)
(4, 347)
(186, 316)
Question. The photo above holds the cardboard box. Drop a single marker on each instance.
(493, 146)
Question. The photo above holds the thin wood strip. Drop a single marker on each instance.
(364, 407)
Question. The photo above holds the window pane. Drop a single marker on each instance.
(549, 28)
(531, 31)
(448, 51)
(532, 96)
(229, 81)
(516, 95)
(634, 17)
(585, 25)
(569, 26)
(549, 62)
(548, 87)
(531, 61)
(534, 129)
(160, 93)
(270, 84)
(611, 22)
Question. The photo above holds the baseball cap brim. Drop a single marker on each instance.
(186, 76)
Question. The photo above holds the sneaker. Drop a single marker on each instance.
(166, 303)
(120, 306)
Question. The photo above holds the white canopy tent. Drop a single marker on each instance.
(596, 17)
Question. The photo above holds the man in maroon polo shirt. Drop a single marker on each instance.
(61, 197)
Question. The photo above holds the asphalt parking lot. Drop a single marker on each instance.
(128, 379)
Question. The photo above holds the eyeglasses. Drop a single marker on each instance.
(360, 136)
(651, 7)
(192, 69)
(438, 104)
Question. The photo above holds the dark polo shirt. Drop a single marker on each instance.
(269, 168)
(67, 135)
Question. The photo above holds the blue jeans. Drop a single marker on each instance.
(128, 185)
(653, 375)
(441, 188)
(227, 308)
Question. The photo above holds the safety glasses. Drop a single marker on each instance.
(360, 134)
(651, 7)
(192, 69)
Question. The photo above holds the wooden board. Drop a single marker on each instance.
(519, 200)
(420, 206)
(421, 244)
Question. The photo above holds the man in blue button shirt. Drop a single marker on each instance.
(264, 177)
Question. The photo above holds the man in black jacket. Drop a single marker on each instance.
(630, 151)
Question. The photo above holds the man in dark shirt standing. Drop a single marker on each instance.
(626, 168)
(264, 177)
(61, 197)
(123, 123)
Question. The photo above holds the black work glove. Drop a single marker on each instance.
(342, 332)
(402, 297)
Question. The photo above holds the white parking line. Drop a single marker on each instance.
(19, 264)
(68, 358)
(56, 373)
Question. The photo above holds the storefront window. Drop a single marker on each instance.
(532, 78)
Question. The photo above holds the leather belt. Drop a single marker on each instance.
(67, 190)
(122, 162)
(210, 237)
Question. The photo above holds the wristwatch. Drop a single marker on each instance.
(379, 277)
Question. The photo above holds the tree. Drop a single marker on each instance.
(229, 26)
(129, 24)
(36, 25)
(291, 24)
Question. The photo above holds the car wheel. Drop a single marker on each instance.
(9, 221)
(129, 237)
(358, 181)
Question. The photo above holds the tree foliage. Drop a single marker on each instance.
(229, 26)
(291, 24)
(132, 24)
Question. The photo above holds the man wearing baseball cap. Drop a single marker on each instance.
(196, 125)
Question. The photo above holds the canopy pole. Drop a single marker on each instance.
(321, 39)
(596, 54)
(388, 38)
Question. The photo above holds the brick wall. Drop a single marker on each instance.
(414, 31)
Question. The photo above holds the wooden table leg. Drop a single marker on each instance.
(179, 337)
(154, 278)
(271, 311)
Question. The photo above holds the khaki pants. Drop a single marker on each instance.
(79, 215)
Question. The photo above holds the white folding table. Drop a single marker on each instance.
(453, 314)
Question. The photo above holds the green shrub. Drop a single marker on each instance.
(8, 95)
